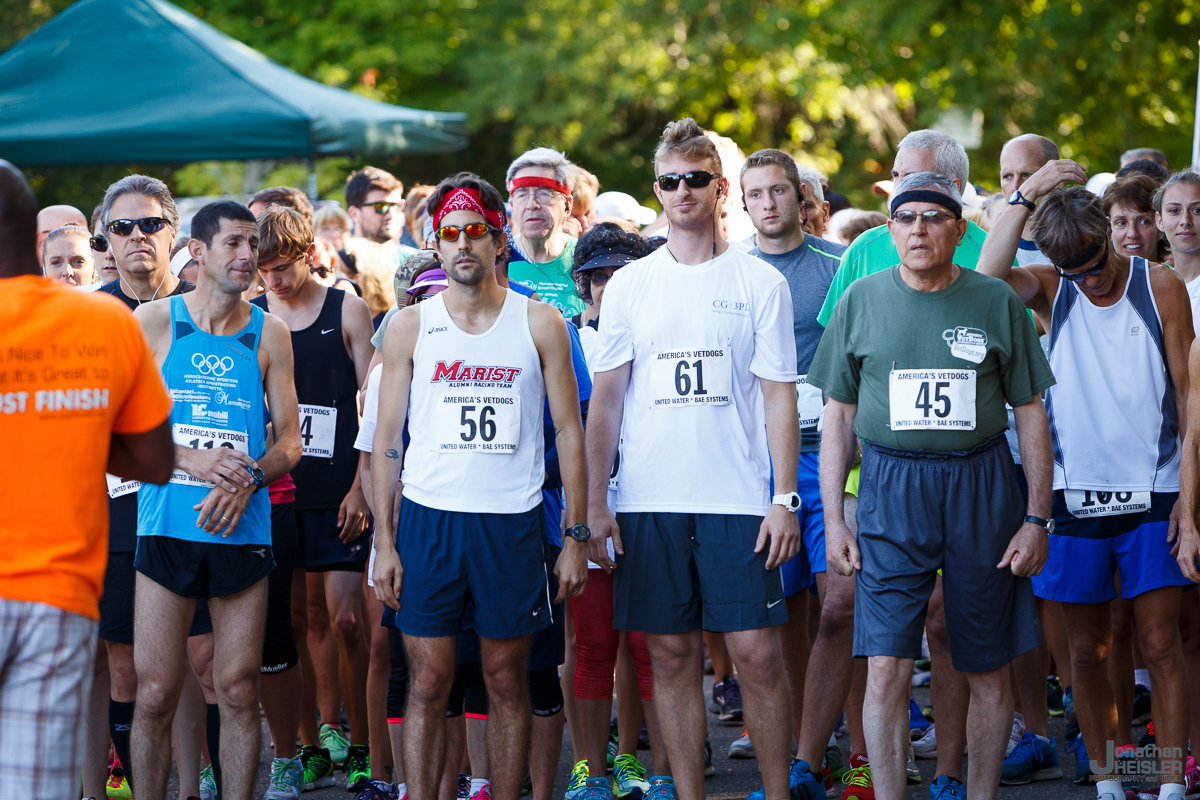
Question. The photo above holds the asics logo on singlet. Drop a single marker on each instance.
(458, 371)
(435, 330)
(212, 365)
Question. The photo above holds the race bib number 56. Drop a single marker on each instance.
(692, 378)
(931, 399)
(198, 438)
(478, 422)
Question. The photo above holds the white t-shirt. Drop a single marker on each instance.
(370, 415)
(694, 436)
(1193, 290)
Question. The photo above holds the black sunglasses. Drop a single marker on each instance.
(149, 225)
(99, 244)
(696, 179)
(1078, 277)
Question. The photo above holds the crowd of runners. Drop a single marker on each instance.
(382, 469)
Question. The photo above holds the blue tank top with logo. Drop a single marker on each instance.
(216, 385)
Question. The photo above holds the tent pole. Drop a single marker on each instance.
(312, 180)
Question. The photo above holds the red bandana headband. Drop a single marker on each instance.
(466, 200)
(532, 180)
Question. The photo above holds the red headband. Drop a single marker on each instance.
(533, 180)
(466, 200)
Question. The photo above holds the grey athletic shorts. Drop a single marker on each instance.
(921, 511)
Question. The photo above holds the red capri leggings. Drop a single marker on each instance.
(597, 641)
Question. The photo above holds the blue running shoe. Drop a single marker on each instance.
(947, 788)
(917, 724)
(597, 789)
(662, 788)
(1083, 765)
(802, 784)
(1035, 758)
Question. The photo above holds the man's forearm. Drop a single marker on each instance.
(364, 475)
(783, 436)
(385, 481)
(1033, 439)
(603, 436)
(572, 466)
(1187, 480)
(1000, 246)
(837, 459)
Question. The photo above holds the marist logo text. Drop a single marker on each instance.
(459, 372)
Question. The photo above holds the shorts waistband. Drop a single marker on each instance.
(935, 457)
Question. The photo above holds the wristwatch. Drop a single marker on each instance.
(1048, 524)
(259, 479)
(1017, 198)
(579, 533)
(790, 501)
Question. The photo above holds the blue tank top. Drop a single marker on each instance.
(216, 385)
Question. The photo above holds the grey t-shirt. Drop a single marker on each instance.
(809, 270)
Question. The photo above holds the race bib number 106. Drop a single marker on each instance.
(931, 399)
(692, 378)
(198, 438)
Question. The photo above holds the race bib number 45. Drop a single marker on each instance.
(198, 438)
(932, 399)
(478, 422)
(692, 378)
(1087, 503)
(318, 428)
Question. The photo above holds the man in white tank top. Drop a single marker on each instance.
(471, 369)
(695, 375)
(1120, 329)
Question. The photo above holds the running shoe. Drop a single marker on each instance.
(947, 788)
(922, 664)
(1083, 766)
(287, 779)
(597, 789)
(802, 784)
(1017, 733)
(318, 768)
(731, 701)
(630, 777)
(464, 786)
(858, 779)
(117, 787)
(926, 746)
(835, 764)
(1191, 776)
(575, 784)
(358, 767)
(842, 728)
(1141, 705)
(921, 678)
(1035, 758)
(484, 792)
(662, 788)
(333, 740)
(643, 739)
(1068, 703)
(917, 724)
(377, 790)
(742, 747)
(611, 756)
(208, 783)
(1148, 736)
(709, 769)
(912, 774)
(1054, 696)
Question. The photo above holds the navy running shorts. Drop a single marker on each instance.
(681, 572)
(921, 511)
(116, 604)
(495, 563)
(1086, 554)
(319, 548)
(202, 569)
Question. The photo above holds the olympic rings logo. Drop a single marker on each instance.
(211, 365)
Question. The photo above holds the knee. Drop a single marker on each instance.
(935, 623)
(760, 660)
(1159, 645)
(154, 696)
(990, 688)
(837, 613)
(888, 674)
(505, 682)
(239, 691)
(672, 655)
(1089, 654)
(430, 686)
(346, 625)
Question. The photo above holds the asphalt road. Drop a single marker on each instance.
(737, 778)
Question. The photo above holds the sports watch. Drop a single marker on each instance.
(259, 478)
(1016, 198)
(579, 533)
(1048, 524)
(790, 501)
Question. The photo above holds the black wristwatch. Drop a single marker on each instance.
(579, 533)
(1017, 198)
(1048, 524)
(259, 478)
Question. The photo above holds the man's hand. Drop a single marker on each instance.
(388, 576)
(1173, 524)
(783, 529)
(220, 511)
(1052, 173)
(223, 467)
(571, 570)
(841, 549)
(353, 515)
(1027, 551)
(1187, 550)
(603, 526)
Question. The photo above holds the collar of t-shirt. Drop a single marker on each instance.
(1027, 244)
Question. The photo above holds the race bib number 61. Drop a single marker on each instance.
(932, 399)
(692, 378)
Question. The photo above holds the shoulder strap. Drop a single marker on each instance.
(181, 324)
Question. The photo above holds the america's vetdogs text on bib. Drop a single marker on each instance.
(932, 398)
(478, 421)
(318, 428)
(199, 438)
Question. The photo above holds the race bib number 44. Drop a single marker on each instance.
(478, 422)
(692, 378)
(1087, 503)
(932, 399)
(198, 438)
(318, 428)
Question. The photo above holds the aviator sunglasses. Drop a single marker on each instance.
(697, 179)
(149, 225)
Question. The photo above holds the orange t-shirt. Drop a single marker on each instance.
(74, 369)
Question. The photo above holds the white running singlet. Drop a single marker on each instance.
(694, 436)
(1113, 423)
(475, 414)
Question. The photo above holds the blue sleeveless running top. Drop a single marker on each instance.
(216, 385)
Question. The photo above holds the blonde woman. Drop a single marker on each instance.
(374, 274)
(332, 223)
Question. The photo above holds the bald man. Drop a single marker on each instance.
(52, 217)
(1020, 157)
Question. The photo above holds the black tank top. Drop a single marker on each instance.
(327, 390)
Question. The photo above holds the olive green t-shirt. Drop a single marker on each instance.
(554, 281)
(912, 360)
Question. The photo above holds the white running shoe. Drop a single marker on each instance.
(926, 746)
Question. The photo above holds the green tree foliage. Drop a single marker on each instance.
(837, 84)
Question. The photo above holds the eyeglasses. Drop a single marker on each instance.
(599, 278)
(932, 218)
(99, 244)
(421, 298)
(321, 271)
(697, 179)
(544, 197)
(149, 225)
(380, 208)
(1079, 277)
(476, 230)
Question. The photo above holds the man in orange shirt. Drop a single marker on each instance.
(79, 394)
